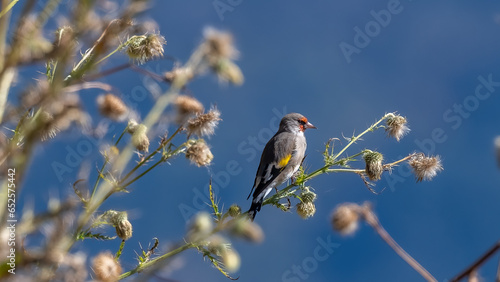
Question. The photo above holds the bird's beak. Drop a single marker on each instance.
(309, 125)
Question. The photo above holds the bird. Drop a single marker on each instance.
(281, 158)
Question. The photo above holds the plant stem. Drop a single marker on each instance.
(477, 263)
(157, 260)
(8, 8)
(373, 221)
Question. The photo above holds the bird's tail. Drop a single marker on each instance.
(254, 208)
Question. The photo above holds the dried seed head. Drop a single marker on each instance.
(142, 48)
(49, 129)
(234, 210)
(217, 245)
(345, 218)
(373, 166)
(186, 107)
(106, 268)
(139, 139)
(132, 126)
(396, 126)
(306, 209)
(199, 153)
(112, 107)
(218, 44)
(231, 260)
(425, 168)
(122, 225)
(307, 195)
(204, 124)
(229, 71)
(30, 37)
(201, 224)
(179, 76)
(247, 230)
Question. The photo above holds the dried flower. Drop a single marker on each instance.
(122, 225)
(425, 168)
(247, 230)
(30, 37)
(179, 76)
(132, 126)
(234, 210)
(142, 48)
(231, 260)
(139, 139)
(345, 218)
(49, 129)
(307, 196)
(373, 166)
(306, 210)
(201, 225)
(218, 44)
(186, 107)
(199, 153)
(112, 107)
(217, 245)
(229, 71)
(106, 268)
(204, 124)
(396, 126)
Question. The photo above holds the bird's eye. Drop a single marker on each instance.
(301, 122)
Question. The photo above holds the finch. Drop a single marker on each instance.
(280, 159)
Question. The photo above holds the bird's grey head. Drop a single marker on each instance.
(295, 122)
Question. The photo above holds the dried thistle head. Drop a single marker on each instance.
(122, 225)
(112, 107)
(32, 43)
(231, 260)
(247, 230)
(132, 126)
(106, 268)
(396, 126)
(200, 225)
(179, 76)
(373, 167)
(49, 129)
(345, 218)
(139, 139)
(226, 70)
(142, 48)
(425, 168)
(218, 44)
(307, 195)
(306, 209)
(204, 124)
(199, 153)
(187, 106)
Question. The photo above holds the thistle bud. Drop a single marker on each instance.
(112, 107)
(425, 168)
(146, 47)
(373, 166)
(234, 211)
(396, 126)
(306, 209)
(124, 229)
(307, 195)
(199, 153)
(345, 218)
(139, 139)
(106, 268)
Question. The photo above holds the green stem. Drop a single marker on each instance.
(157, 260)
(8, 8)
(354, 139)
(120, 250)
(345, 170)
(114, 51)
(162, 145)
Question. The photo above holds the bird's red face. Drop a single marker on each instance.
(305, 124)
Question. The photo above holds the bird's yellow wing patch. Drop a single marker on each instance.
(284, 161)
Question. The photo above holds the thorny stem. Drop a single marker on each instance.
(162, 145)
(152, 262)
(477, 263)
(373, 221)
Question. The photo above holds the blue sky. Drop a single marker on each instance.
(426, 63)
